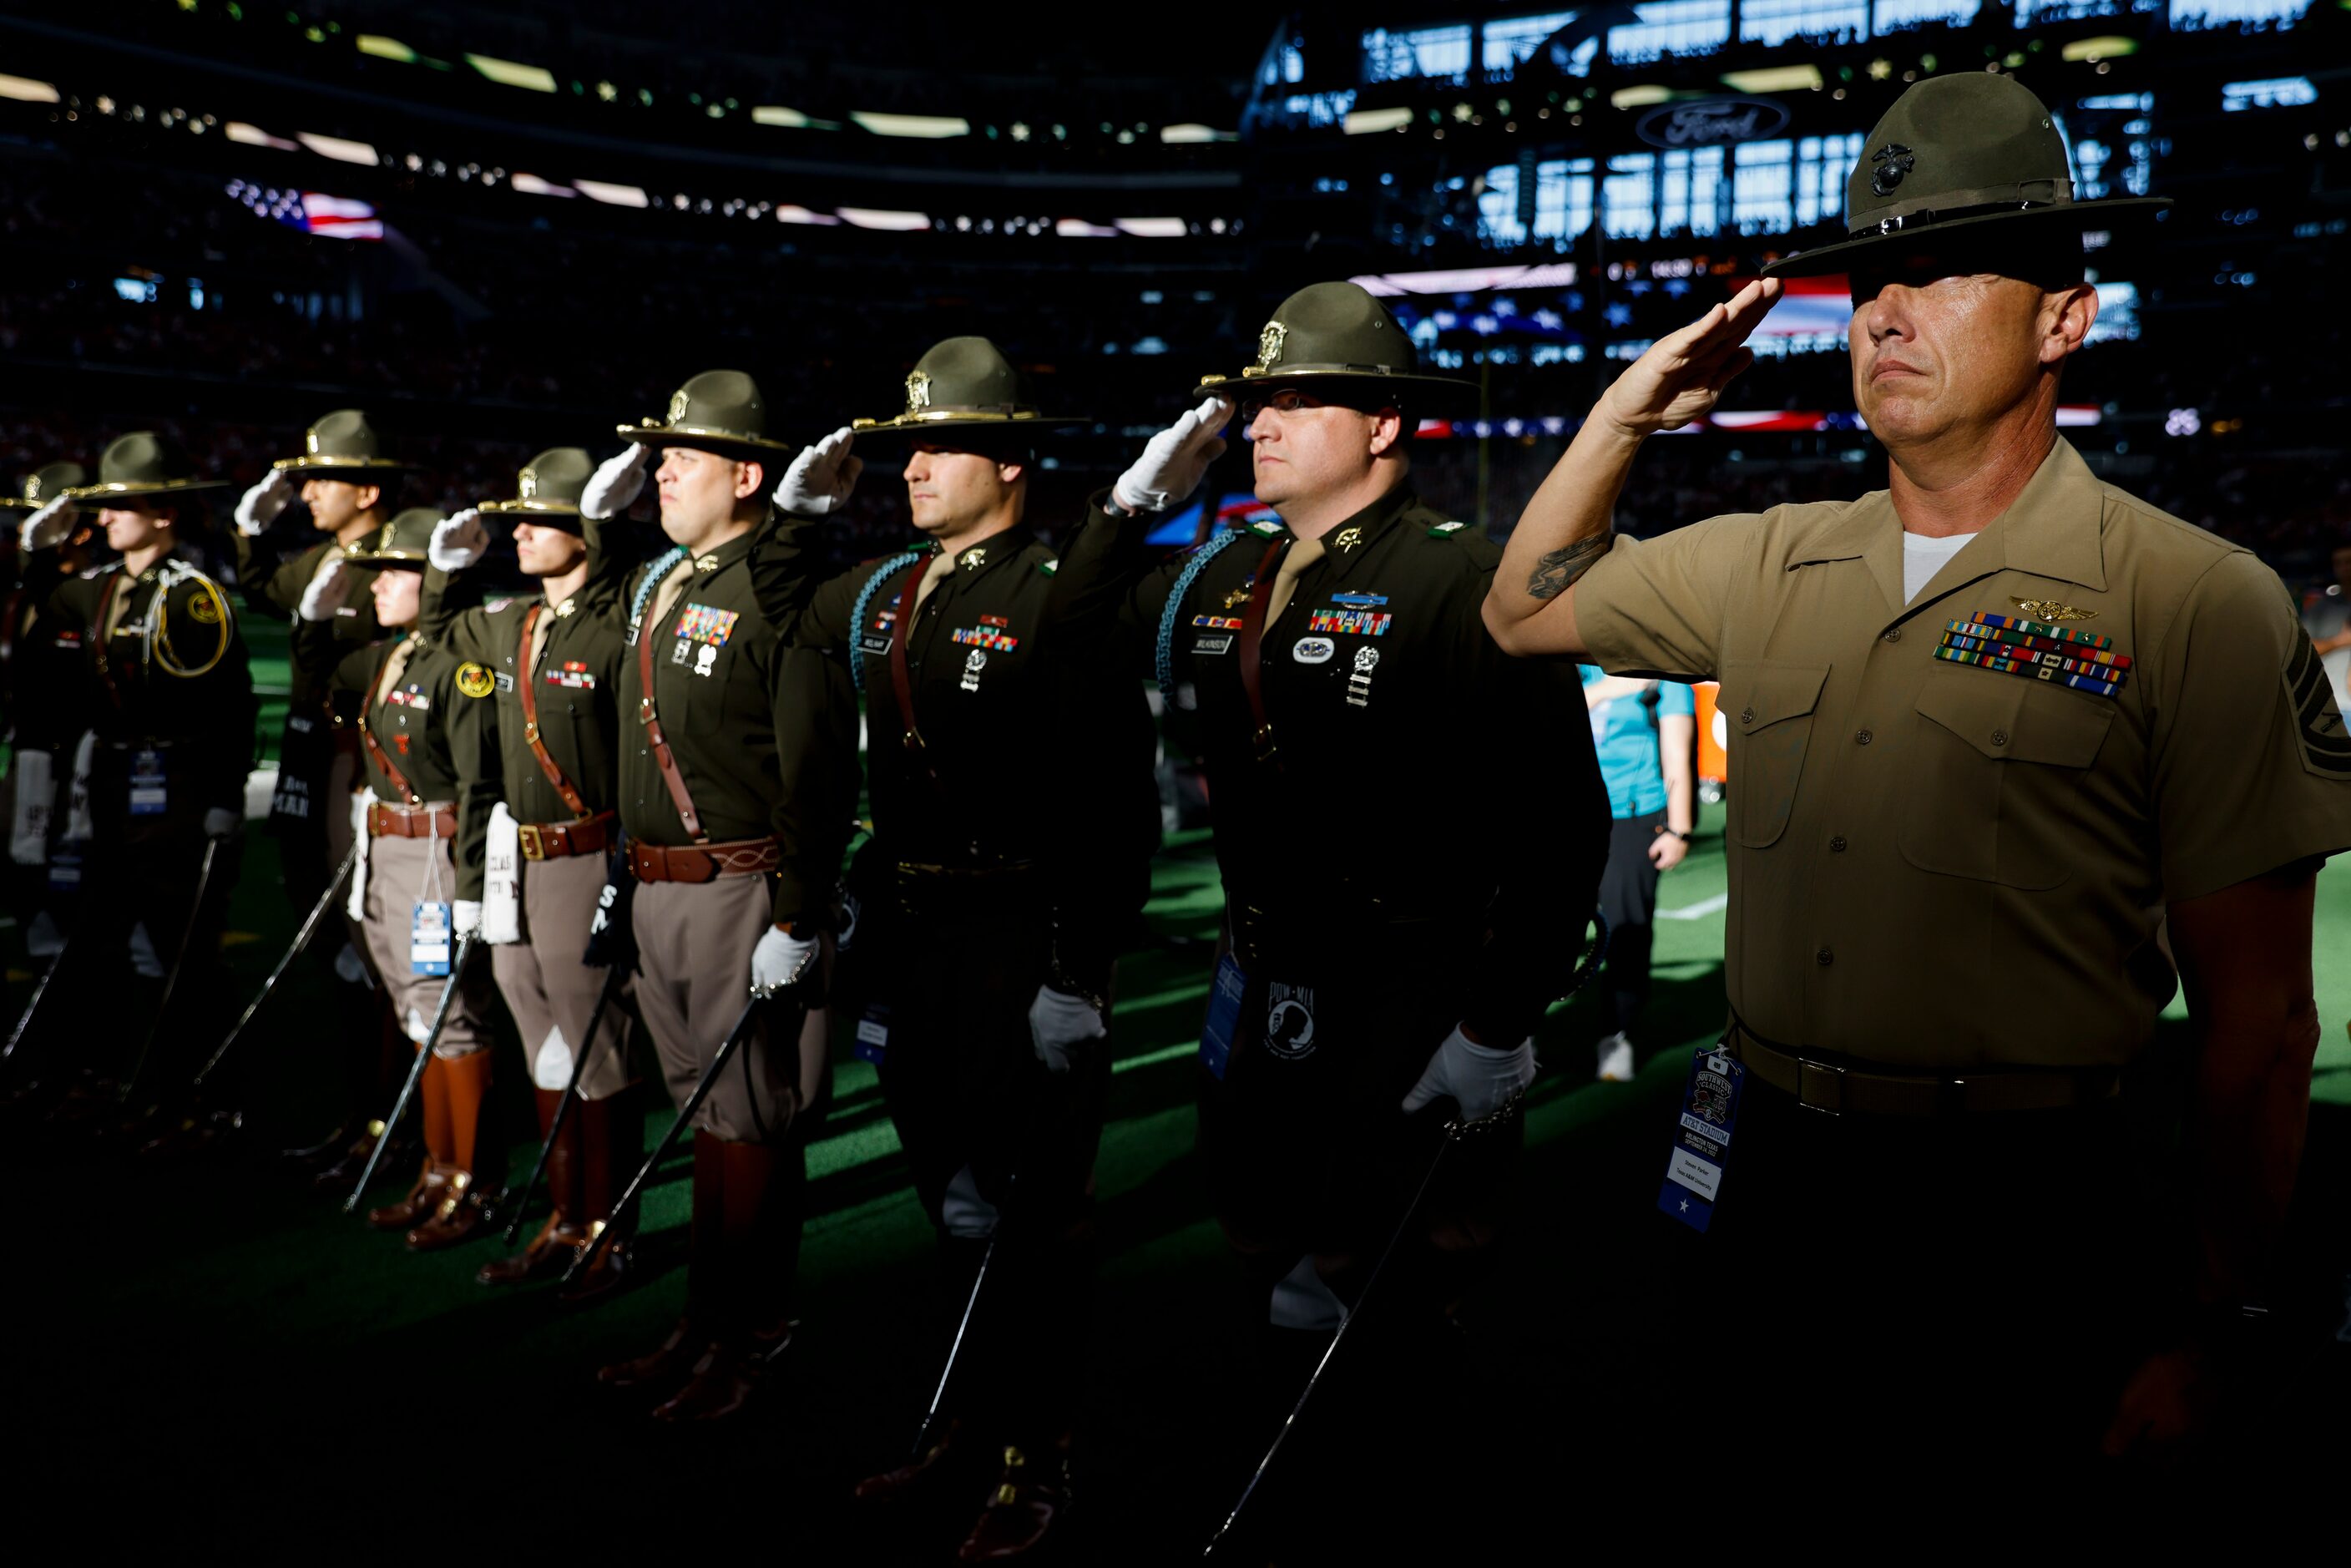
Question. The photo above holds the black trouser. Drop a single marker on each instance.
(1628, 902)
(1920, 1300)
(957, 963)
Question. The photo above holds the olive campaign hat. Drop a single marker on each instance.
(142, 463)
(45, 485)
(1336, 340)
(965, 382)
(549, 483)
(1962, 152)
(402, 542)
(343, 445)
(717, 411)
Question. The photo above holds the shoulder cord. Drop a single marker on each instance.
(156, 630)
(663, 565)
(864, 604)
(1163, 659)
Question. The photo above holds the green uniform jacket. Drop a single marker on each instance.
(1038, 736)
(583, 644)
(1421, 774)
(443, 741)
(191, 690)
(765, 734)
(313, 647)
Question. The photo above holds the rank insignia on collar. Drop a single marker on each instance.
(1446, 530)
(1348, 539)
(566, 608)
(1050, 567)
(974, 557)
(705, 563)
(2051, 609)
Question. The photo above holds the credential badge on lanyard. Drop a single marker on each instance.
(1701, 1146)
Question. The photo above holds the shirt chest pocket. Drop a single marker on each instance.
(1769, 713)
(2000, 764)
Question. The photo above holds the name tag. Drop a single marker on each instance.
(150, 794)
(1701, 1146)
(1225, 993)
(876, 644)
(428, 939)
(1213, 642)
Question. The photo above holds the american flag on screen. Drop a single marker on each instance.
(334, 217)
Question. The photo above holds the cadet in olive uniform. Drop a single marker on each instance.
(149, 659)
(26, 661)
(1397, 923)
(347, 481)
(736, 838)
(428, 731)
(1993, 730)
(556, 658)
(1014, 817)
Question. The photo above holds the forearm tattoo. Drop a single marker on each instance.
(1556, 573)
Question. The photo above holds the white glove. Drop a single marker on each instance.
(1174, 461)
(1058, 1023)
(819, 482)
(459, 541)
(260, 506)
(326, 591)
(45, 528)
(34, 778)
(1478, 1077)
(779, 960)
(220, 823)
(615, 484)
(466, 917)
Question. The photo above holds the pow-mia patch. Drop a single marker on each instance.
(2318, 722)
(1289, 1021)
(203, 611)
(474, 680)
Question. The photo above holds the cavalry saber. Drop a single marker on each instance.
(726, 1050)
(613, 979)
(416, 1069)
(1454, 1132)
(963, 1326)
(17, 1035)
(172, 976)
(301, 940)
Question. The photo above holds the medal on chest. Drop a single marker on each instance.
(702, 631)
(1359, 679)
(972, 666)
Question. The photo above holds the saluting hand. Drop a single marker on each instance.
(1682, 374)
(820, 478)
(1174, 461)
(258, 507)
(616, 485)
(327, 589)
(459, 541)
(47, 528)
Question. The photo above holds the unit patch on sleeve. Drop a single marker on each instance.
(474, 680)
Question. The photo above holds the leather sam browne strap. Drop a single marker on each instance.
(100, 632)
(1252, 638)
(902, 684)
(367, 729)
(547, 764)
(672, 778)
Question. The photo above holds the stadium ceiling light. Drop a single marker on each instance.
(385, 48)
(1078, 228)
(2103, 48)
(885, 218)
(1177, 135)
(337, 148)
(612, 195)
(532, 185)
(1365, 121)
(508, 73)
(1639, 97)
(1150, 228)
(1775, 79)
(791, 214)
(926, 127)
(791, 118)
(25, 89)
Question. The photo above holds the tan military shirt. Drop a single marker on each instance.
(1942, 864)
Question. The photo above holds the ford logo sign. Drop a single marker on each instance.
(1710, 122)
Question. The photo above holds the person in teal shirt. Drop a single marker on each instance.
(1643, 731)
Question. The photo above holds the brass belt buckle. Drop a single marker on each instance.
(1820, 1086)
(533, 847)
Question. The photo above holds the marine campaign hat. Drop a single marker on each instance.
(143, 463)
(1955, 155)
(968, 383)
(343, 445)
(402, 542)
(549, 485)
(717, 411)
(45, 485)
(1336, 340)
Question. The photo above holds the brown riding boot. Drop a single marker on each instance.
(752, 1330)
(664, 1368)
(466, 1083)
(423, 1199)
(548, 1253)
(952, 1464)
(613, 1145)
(690, 1340)
(441, 1167)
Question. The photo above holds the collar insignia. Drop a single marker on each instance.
(566, 608)
(973, 558)
(705, 563)
(1348, 539)
(2051, 609)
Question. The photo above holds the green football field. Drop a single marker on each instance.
(227, 1345)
